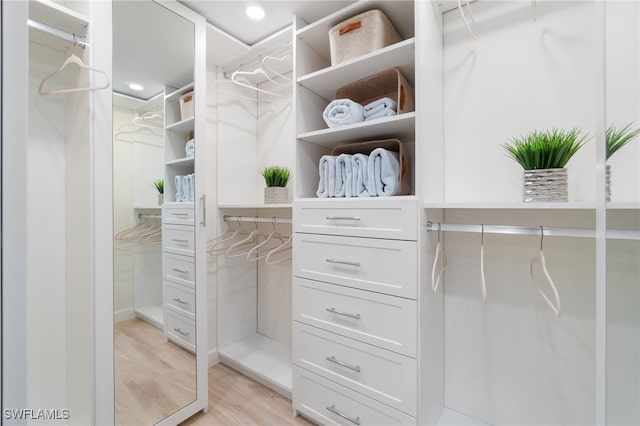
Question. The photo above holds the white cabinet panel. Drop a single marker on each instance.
(384, 321)
(383, 266)
(178, 239)
(180, 269)
(180, 330)
(329, 403)
(180, 298)
(178, 213)
(386, 376)
(373, 217)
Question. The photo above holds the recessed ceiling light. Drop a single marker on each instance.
(135, 86)
(255, 12)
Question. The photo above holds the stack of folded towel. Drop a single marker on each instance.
(190, 149)
(185, 188)
(341, 112)
(359, 175)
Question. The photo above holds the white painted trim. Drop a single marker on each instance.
(213, 357)
(123, 315)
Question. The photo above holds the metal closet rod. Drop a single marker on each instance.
(256, 219)
(549, 231)
(48, 29)
(149, 216)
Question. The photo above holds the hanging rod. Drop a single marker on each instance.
(256, 219)
(149, 216)
(256, 60)
(549, 231)
(71, 38)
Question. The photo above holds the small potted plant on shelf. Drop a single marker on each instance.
(543, 155)
(276, 179)
(159, 185)
(616, 139)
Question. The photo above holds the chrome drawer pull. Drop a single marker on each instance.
(332, 408)
(337, 312)
(180, 271)
(182, 302)
(333, 359)
(180, 214)
(343, 262)
(177, 330)
(353, 218)
(176, 240)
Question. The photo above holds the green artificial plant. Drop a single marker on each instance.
(616, 139)
(545, 149)
(276, 176)
(159, 185)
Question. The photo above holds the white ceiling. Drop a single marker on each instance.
(151, 44)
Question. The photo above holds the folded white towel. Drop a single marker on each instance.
(179, 193)
(384, 172)
(190, 149)
(344, 176)
(343, 111)
(379, 105)
(359, 169)
(192, 186)
(387, 112)
(327, 171)
(186, 188)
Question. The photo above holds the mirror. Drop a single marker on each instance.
(154, 285)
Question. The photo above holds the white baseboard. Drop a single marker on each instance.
(213, 357)
(124, 314)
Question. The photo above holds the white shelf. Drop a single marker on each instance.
(514, 206)
(151, 314)
(147, 207)
(182, 126)
(59, 17)
(255, 206)
(263, 359)
(629, 205)
(400, 126)
(325, 82)
(400, 13)
(186, 204)
(183, 162)
(175, 95)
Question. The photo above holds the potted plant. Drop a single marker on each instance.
(276, 179)
(543, 155)
(616, 139)
(159, 185)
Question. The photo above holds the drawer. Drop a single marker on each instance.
(385, 376)
(329, 403)
(180, 298)
(395, 218)
(178, 239)
(179, 269)
(180, 330)
(178, 214)
(383, 266)
(384, 321)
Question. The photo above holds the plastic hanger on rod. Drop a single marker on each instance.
(464, 18)
(73, 60)
(237, 249)
(555, 307)
(285, 247)
(266, 67)
(435, 279)
(253, 254)
(237, 81)
(150, 120)
(483, 281)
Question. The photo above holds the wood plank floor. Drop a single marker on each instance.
(147, 369)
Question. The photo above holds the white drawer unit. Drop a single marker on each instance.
(385, 376)
(178, 239)
(178, 213)
(373, 217)
(180, 298)
(329, 403)
(180, 330)
(383, 266)
(180, 269)
(384, 321)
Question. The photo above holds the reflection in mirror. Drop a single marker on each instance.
(154, 340)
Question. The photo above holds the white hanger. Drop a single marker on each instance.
(218, 247)
(286, 246)
(464, 18)
(73, 59)
(250, 86)
(483, 281)
(435, 280)
(131, 129)
(235, 95)
(556, 308)
(147, 120)
(253, 254)
(250, 241)
(286, 57)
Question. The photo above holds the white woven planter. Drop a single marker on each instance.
(276, 195)
(545, 185)
(608, 182)
(160, 199)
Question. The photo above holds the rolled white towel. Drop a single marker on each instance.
(387, 112)
(327, 171)
(384, 172)
(178, 184)
(360, 171)
(190, 149)
(379, 105)
(343, 111)
(344, 176)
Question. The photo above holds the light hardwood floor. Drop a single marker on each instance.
(148, 369)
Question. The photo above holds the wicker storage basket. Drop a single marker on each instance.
(389, 144)
(388, 83)
(361, 34)
(186, 106)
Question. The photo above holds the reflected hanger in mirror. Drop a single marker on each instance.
(435, 279)
(555, 308)
(73, 59)
(234, 79)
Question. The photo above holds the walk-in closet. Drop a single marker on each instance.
(371, 212)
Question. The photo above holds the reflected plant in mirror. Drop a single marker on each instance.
(615, 140)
